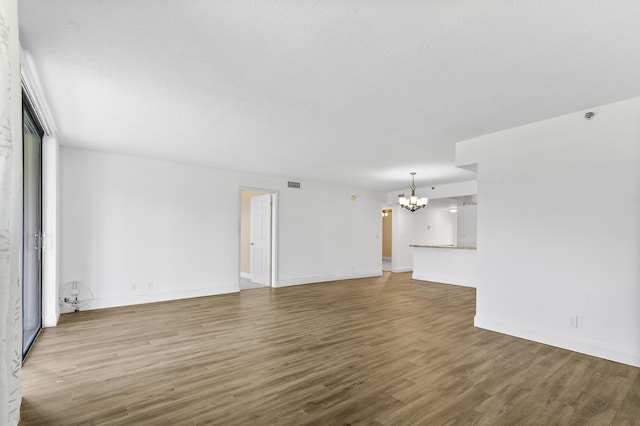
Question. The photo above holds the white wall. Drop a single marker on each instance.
(173, 229)
(445, 265)
(50, 223)
(559, 231)
(324, 233)
(467, 225)
(427, 226)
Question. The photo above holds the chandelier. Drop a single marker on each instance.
(412, 203)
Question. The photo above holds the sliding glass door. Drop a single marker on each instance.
(32, 230)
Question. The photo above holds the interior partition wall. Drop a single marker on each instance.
(32, 229)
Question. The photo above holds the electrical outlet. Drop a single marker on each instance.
(150, 285)
(572, 321)
(133, 287)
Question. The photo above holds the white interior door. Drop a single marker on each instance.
(260, 251)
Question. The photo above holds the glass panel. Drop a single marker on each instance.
(32, 226)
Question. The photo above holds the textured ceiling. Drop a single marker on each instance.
(354, 92)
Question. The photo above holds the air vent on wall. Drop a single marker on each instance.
(293, 184)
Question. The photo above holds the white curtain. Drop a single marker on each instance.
(10, 215)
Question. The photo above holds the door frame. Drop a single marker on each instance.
(393, 215)
(27, 105)
(273, 278)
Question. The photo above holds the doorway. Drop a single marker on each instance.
(387, 229)
(32, 237)
(257, 238)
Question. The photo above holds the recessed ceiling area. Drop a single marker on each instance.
(358, 93)
(452, 202)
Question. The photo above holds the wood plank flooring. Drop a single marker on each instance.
(382, 351)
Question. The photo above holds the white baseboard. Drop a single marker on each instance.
(386, 258)
(112, 302)
(325, 278)
(589, 347)
(402, 269)
(246, 275)
(442, 280)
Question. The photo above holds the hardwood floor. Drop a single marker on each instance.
(383, 351)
